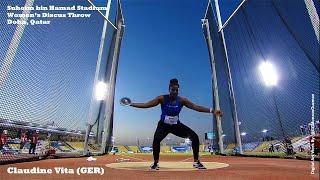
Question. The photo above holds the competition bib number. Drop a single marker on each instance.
(171, 119)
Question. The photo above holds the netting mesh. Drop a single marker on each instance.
(284, 34)
(47, 74)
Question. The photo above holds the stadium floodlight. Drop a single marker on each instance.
(101, 91)
(243, 133)
(264, 131)
(223, 135)
(113, 139)
(269, 73)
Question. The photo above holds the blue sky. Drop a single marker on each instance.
(52, 73)
(167, 41)
(163, 40)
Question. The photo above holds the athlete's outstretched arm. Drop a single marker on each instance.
(198, 108)
(149, 104)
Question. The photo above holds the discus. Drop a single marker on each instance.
(125, 101)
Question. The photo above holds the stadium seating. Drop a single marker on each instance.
(295, 139)
(250, 146)
(303, 142)
(165, 149)
(76, 145)
(135, 149)
(127, 147)
(14, 146)
(122, 149)
(263, 147)
(231, 146)
(202, 148)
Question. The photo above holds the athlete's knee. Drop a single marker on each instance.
(194, 135)
(194, 138)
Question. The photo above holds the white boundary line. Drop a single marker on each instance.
(133, 158)
(186, 159)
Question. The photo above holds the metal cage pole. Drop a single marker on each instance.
(230, 84)
(96, 76)
(214, 84)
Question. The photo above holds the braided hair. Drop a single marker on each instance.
(174, 82)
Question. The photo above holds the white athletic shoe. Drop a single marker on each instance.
(91, 158)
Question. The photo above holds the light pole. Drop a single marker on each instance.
(223, 135)
(243, 134)
(113, 139)
(100, 92)
(270, 77)
(97, 71)
(187, 141)
(264, 131)
(138, 143)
